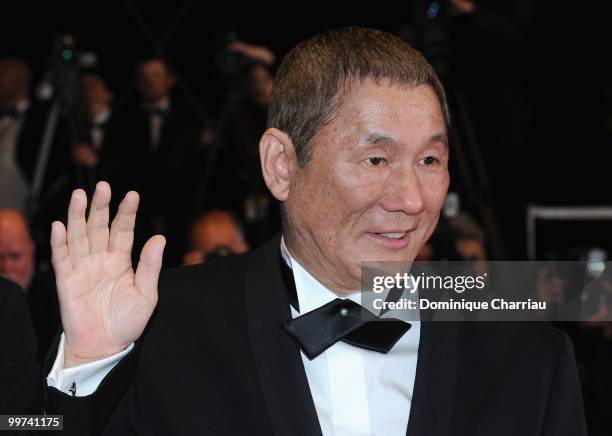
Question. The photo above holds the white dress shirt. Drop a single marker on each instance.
(355, 391)
(156, 120)
(96, 131)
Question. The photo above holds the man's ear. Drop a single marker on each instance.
(278, 159)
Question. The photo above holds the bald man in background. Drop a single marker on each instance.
(16, 248)
(19, 373)
(17, 264)
(215, 231)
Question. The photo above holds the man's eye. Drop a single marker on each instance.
(375, 161)
(430, 160)
(15, 257)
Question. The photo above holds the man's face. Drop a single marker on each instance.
(16, 258)
(154, 81)
(374, 186)
(93, 91)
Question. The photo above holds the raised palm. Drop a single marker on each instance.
(104, 304)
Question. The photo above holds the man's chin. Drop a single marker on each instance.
(374, 252)
(14, 279)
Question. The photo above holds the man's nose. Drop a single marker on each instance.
(404, 192)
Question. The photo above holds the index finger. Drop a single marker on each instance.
(59, 251)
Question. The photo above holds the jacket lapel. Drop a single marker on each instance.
(436, 377)
(279, 364)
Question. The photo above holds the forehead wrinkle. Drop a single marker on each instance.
(375, 138)
(366, 117)
(438, 137)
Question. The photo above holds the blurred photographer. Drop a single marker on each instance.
(239, 168)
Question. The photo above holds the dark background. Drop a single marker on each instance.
(538, 94)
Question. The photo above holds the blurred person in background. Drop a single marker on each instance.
(22, 123)
(469, 237)
(592, 335)
(16, 248)
(456, 238)
(95, 101)
(489, 40)
(17, 263)
(253, 52)
(239, 169)
(14, 102)
(160, 135)
(216, 233)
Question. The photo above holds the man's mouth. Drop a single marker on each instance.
(395, 239)
(395, 235)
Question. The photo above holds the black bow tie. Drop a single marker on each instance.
(340, 320)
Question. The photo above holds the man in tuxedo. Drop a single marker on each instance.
(160, 135)
(97, 133)
(273, 341)
(22, 124)
(21, 129)
(18, 264)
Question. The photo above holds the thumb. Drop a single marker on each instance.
(149, 266)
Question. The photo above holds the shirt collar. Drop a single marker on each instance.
(102, 117)
(311, 293)
(162, 105)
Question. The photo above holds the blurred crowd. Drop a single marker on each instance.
(157, 145)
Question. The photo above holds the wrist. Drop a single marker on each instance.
(72, 359)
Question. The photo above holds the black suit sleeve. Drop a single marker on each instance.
(565, 411)
(20, 391)
(103, 412)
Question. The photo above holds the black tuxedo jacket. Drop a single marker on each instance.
(166, 177)
(20, 388)
(214, 360)
(167, 161)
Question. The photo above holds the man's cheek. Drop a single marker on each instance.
(359, 194)
(434, 195)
